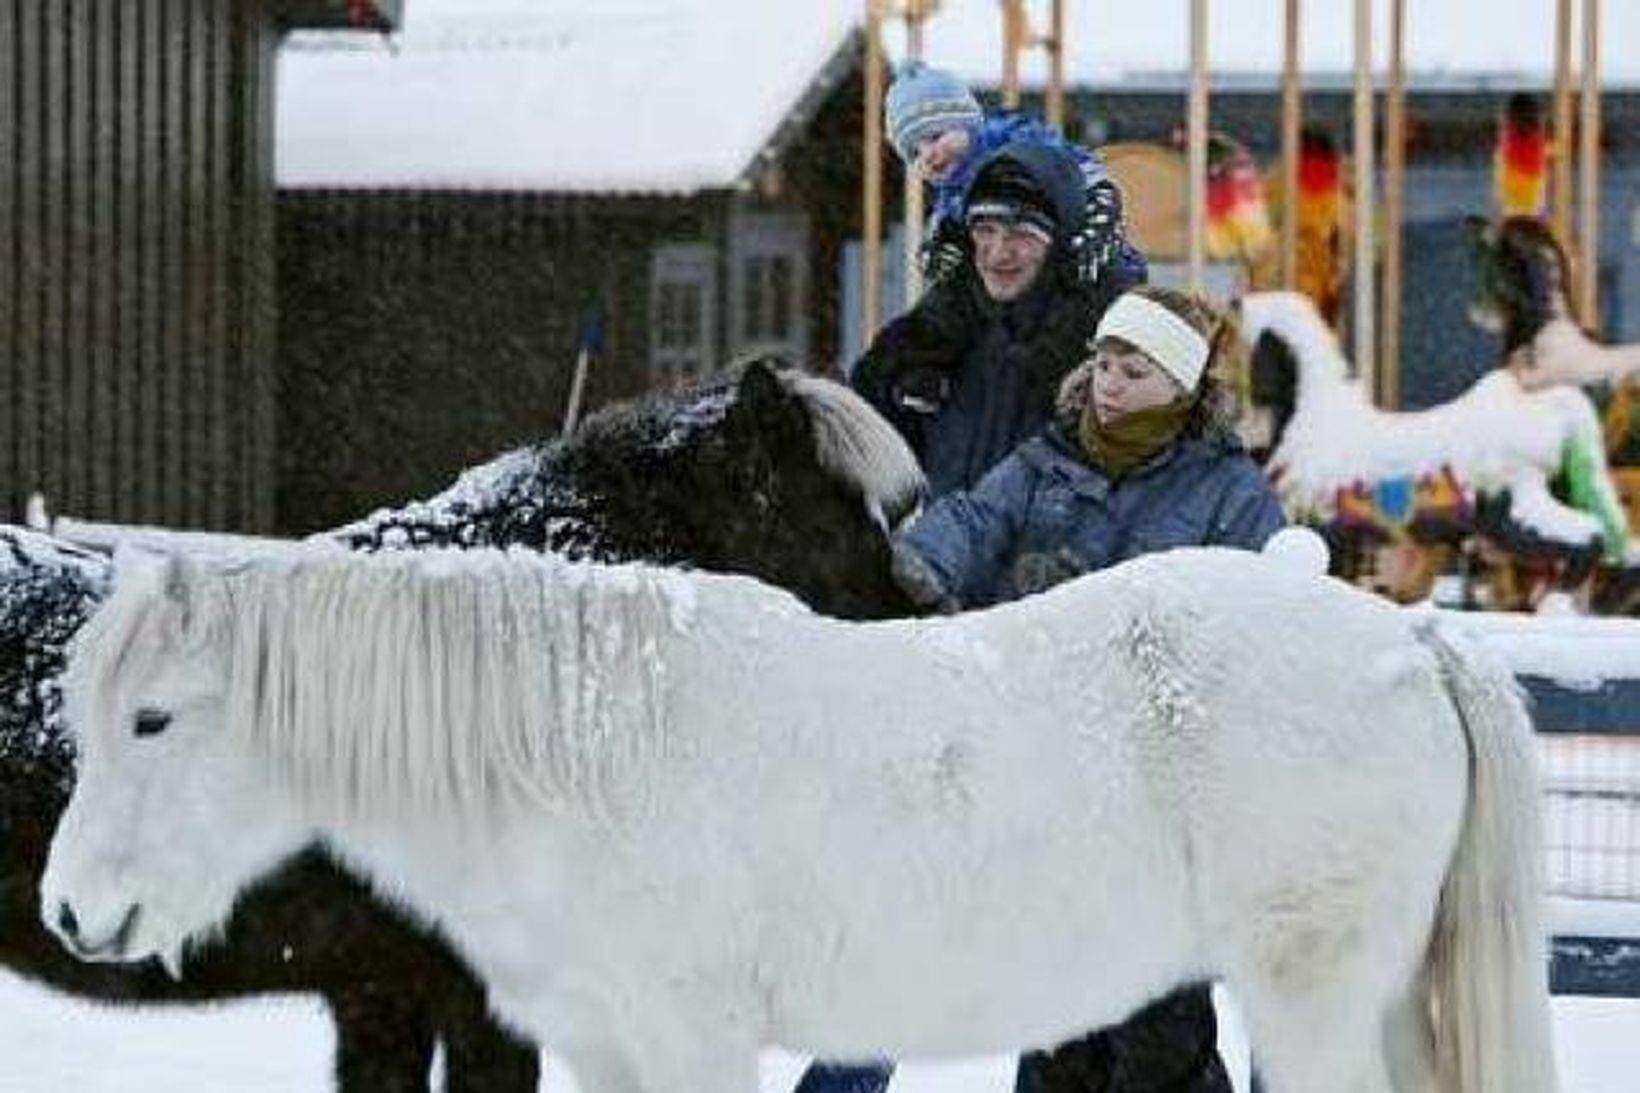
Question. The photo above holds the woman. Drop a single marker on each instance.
(1140, 460)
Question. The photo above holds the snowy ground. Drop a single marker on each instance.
(48, 1043)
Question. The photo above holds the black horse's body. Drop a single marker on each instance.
(723, 477)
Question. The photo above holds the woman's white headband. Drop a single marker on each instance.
(1161, 335)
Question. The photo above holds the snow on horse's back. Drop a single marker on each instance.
(671, 817)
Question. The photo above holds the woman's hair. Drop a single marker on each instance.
(1213, 403)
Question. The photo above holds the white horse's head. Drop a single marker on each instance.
(171, 814)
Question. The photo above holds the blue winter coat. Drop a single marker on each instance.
(1045, 514)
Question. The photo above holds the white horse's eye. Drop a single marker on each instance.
(151, 722)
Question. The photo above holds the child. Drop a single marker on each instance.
(934, 121)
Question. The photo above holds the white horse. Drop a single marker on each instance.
(673, 817)
(1495, 437)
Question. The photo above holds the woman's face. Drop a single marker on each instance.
(1126, 379)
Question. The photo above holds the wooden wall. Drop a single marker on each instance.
(136, 276)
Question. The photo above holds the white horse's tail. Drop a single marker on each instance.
(1488, 956)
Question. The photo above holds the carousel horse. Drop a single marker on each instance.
(1482, 462)
(778, 474)
(673, 816)
(1524, 295)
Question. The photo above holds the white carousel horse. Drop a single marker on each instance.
(1496, 437)
(674, 816)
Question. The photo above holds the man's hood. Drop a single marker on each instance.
(1053, 169)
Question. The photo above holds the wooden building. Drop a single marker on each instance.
(677, 184)
(137, 308)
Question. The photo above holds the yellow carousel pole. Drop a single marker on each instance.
(871, 195)
(1196, 136)
(916, 13)
(1561, 217)
(1054, 43)
(1394, 191)
(1364, 200)
(1013, 42)
(1292, 108)
(1589, 170)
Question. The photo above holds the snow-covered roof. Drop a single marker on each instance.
(660, 96)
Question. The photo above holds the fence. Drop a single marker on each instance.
(1583, 676)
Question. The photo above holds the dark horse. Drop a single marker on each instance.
(771, 473)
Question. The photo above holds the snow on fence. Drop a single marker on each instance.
(1583, 677)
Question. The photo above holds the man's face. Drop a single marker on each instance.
(1008, 257)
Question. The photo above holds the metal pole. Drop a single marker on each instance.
(1055, 45)
(871, 196)
(1364, 199)
(915, 13)
(1292, 108)
(1562, 201)
(1394, 190)
(1588, 201)
(1196, 132)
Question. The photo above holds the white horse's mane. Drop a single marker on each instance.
(855, 443)
(408, 683)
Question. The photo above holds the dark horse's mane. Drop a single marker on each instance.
(723, 475)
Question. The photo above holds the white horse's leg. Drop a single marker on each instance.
(604, 1071)
(1317, 1023)
(703, 1057)
(1305, 1047)
(1409, 1042)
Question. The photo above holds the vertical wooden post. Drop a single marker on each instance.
(1364, 199)
(871, 196)
(1292, 107)
(1055, 45)
(1389, 365)
(1589, 170)
(1561, 219)
(915, 12)
(1013, 41)
(1196, 135)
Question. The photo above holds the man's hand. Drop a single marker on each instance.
(922, 390)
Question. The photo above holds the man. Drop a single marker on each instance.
(971, 373)
(965, 385)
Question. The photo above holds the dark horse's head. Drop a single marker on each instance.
(47, 589)
(1523, 278)
(767, 471)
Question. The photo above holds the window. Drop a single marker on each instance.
(769, 286)
(682, 303)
